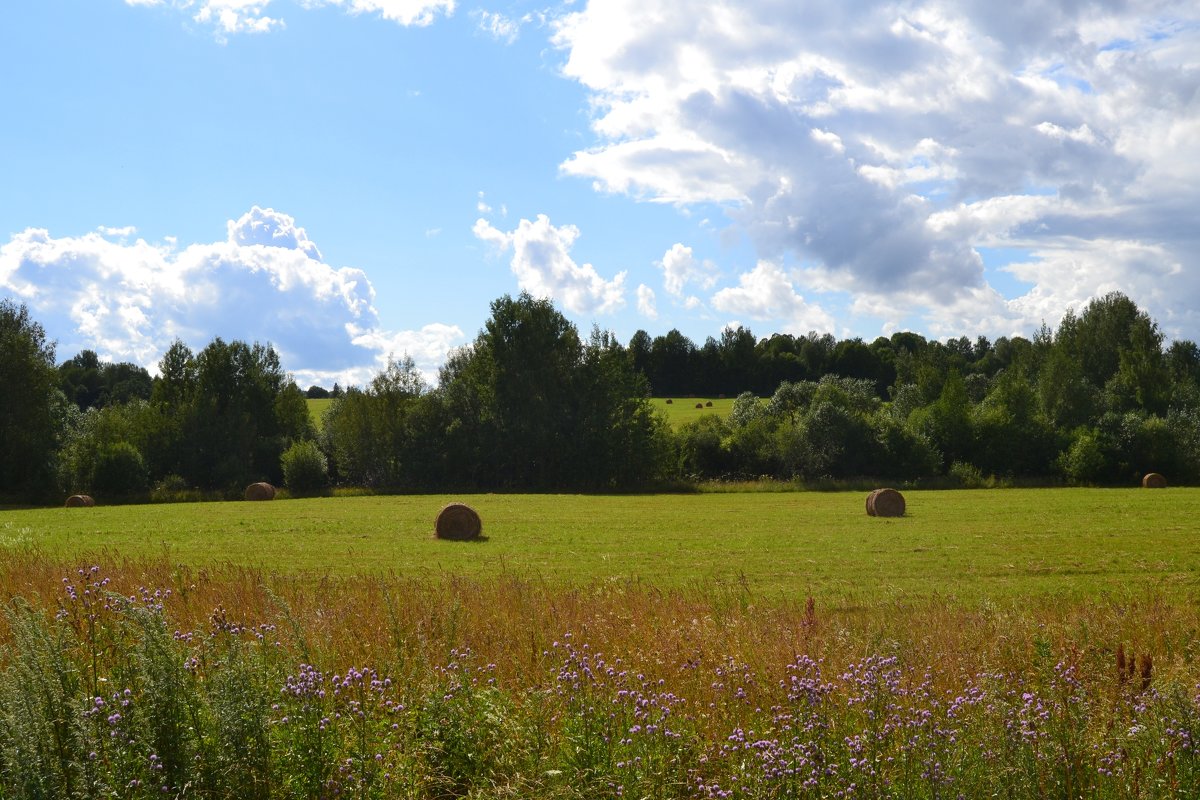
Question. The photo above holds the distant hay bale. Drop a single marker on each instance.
(670, 401)
(1154, 481)
(260, 491)
(699, 405)
(80, 501)
(708, 404)
(885, 503)
(459, 522)
(720, 397)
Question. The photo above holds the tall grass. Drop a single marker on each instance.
(150, 679)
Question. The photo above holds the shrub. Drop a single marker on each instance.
(120, 470)
(305, 470)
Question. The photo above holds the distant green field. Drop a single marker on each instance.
(682, 410)
(316, 409)
(965, 545)
(679, 411)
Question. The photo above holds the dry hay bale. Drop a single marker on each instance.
(1154, 481)
(871, 503)
(80, 501)
(670, 401)
(260, 491)
(708, 404)
(885, 503)
(458, 521)
(699, 405)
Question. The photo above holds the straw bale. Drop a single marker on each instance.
(708, 404)
(260, 491)
(699, 405)
(670, 401)
(458, 521)
(885, 503)
(80, 501)
(1154, 481)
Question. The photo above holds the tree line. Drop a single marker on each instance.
(533, 405)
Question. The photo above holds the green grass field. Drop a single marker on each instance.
(316, 409)
(683, 409)
(963, 546)
(679, 411)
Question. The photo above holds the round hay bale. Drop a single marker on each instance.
(871, 502)
(1154, 481)
(885, 503)
(699, 405)
(80, 501)
(670, 401)
(708, 404)
(260, 491)
(459, 522)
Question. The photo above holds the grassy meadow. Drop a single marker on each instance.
(316, 408)
(682, 410)
(994, 643)
(679, 411)
(958, 545)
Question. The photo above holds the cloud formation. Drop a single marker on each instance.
(766, 293)
(543, 265)
(229, 17)
(680, 268)
(880, 145)
(266, 282)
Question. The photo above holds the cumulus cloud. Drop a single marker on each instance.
(680, 268)
(766, 293)
(250, 16)
(881, 144)
(543, 265)
(265, 282)
(646, 305)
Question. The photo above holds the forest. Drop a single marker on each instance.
(532, 405)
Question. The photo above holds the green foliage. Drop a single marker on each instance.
(226, 414)
(29, 420)
(304, 469)
(1083, 462)
(120, 471)
(91, 384)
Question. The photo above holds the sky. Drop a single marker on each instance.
(357, 180)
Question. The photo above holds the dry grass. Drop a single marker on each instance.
(403, 624)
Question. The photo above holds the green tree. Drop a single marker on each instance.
(529, 405)
(305, 471)
(29, 414)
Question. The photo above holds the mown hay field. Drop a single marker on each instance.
(682, 410)
(956, 546)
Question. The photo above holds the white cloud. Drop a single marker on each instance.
(500, 27)
(543, 265)
(879, 144)
(680, 268)
(645, 302)
(765, 293)
(404, 12)
(250, 16)
(266, 282)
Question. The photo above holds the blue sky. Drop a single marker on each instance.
(353, 179)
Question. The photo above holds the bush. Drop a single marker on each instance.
(120, 471)
(305, 470)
